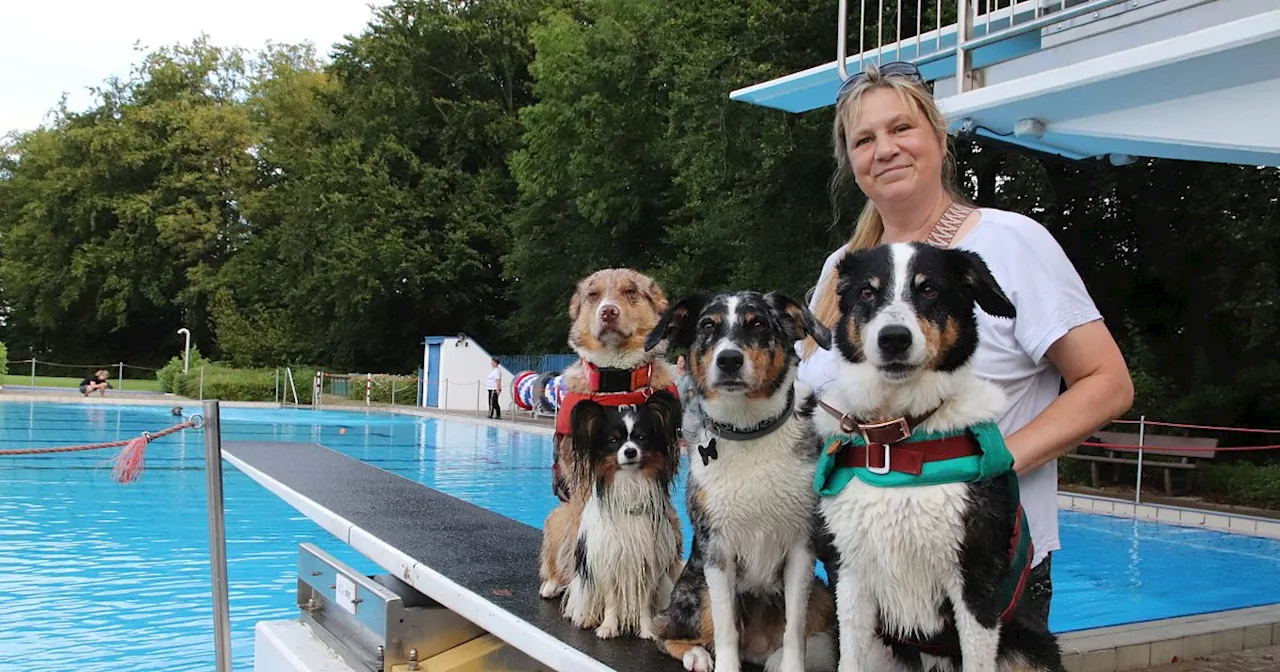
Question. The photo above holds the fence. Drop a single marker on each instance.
(1185, 447)
(539, 363)
(39, 374)
(370, 389)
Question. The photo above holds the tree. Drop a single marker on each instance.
(116, 219)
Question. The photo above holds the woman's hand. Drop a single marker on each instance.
(1099, 390)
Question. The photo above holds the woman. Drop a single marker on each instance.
(891, 138)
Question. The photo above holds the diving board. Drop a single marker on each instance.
(1179, 79)
(478, 564)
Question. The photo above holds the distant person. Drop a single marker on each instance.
(684, 382)
(95, 383)
(494, 384)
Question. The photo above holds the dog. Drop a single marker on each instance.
(611, 313)
(748, 591)
(915, 483)
(628, 551)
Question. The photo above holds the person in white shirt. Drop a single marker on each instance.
(493, 383)
(890, 137)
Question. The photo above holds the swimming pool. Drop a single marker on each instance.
(95, 573)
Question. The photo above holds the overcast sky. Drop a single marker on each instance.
(49, 47)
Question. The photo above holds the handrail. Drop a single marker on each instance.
(967, 17)
(842, 31)
(288, 377)
(1041, 22)
(217, 536)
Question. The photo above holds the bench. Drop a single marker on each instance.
(479, 564)
(1193, 448)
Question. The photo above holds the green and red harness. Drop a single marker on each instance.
(892, 454)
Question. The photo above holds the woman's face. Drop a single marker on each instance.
(893, 150)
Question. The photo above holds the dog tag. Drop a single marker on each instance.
(708, 452)
(834, 446)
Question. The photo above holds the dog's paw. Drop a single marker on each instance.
(607, 630)
(550, 589)
(698, 660)
(647, 632)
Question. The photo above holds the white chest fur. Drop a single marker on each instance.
(903, 542)
(758, 499)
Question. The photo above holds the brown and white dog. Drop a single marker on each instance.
(611, 313)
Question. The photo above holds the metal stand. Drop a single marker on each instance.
(217, 536)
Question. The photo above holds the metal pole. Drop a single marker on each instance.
(477, 398)
(186, 350)
(277, 385)
(121, 375)
(202, 383)
(1142, 431)
(217, 537)
(842, 33)
(964, 59)
(33, 372)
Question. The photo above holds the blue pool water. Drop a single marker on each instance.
(106, 576)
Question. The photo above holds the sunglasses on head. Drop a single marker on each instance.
(900, 69)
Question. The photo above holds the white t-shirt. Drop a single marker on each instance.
(1050, 299)
(494, 378)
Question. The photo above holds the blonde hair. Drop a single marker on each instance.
(870, 227)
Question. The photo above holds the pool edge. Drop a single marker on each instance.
(1232, 523)
(1138, 646)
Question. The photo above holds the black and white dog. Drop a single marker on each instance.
(628, 549)
(748, 591)
(918, 487)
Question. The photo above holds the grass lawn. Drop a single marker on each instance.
(138, 384)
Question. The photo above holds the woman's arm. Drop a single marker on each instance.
(1099, 390)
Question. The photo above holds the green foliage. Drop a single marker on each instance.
(4, 360)
(232, 384)
(1243, 483)
(169, 374)
(116, 219)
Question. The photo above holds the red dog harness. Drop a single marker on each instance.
(609, 387)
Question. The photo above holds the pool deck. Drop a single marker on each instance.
(1243, 640)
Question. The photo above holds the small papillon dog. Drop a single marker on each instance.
(628, 551)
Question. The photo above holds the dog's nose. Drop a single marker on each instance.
(609, 314)
(729, 361)
(894, 340)
(629, 453)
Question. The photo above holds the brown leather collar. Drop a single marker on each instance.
(886, 432)
(910, 458)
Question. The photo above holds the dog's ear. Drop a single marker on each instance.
(676, 323)
(798, 320)
(652, 292)
(668, 412)
(575, 300)
(847, 271)
(669, 417)
(976, 277)
(585, 420)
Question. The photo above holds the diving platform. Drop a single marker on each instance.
(469, 574)
(1193, 80)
